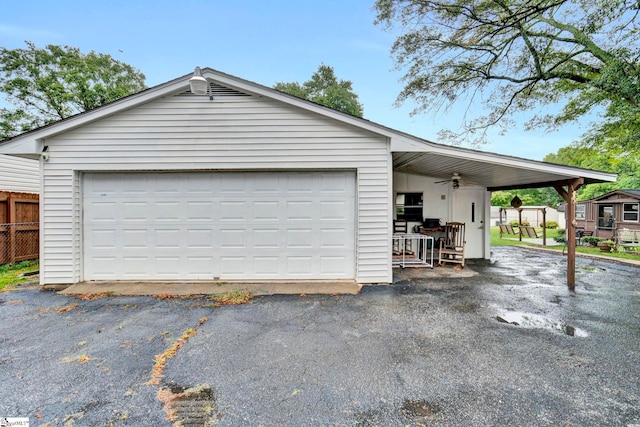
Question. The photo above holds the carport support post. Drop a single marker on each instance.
(544, 227)
(569, 196)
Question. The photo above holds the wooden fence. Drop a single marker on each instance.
(19, 227)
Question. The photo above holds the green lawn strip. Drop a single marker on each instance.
(552, 244)
(11, 274)
(507, 239)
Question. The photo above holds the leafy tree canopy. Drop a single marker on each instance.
(48, 84)
(602, 158)
(324, 88)
(529, 197)
(517, 55)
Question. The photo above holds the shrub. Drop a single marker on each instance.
(550, 224)
(514, 223)
(592, 240)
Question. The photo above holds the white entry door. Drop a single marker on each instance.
(204, 225)
(469, 207)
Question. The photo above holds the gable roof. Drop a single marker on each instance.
(411, 154)
(631, 194)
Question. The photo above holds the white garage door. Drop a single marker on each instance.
(203, 226)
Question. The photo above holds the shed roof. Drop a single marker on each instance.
(625, 196)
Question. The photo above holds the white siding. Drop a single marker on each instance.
(18, 174)
(229, 133)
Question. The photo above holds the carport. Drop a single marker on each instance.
(497, 172)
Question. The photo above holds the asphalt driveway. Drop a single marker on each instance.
(425, 351)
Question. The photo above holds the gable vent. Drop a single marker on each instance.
(218, 91)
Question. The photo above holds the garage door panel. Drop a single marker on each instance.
(200, 238)
(333, 238)
(267, 238)
(168, 211)
(200, 211)
(233, 266)
(334, 183)
(233, 239)
(266, 266)
(300, 265)
(134, 266)
(135, 239)
(266, 211)
(199, 267)
(300, 210)
(166, 238)
(233, 211)
(168, 267)
(102, 211)
(300, 184)
(103, 239)
(133, 211)
(331, 264)
(267, 225)
(299, 238)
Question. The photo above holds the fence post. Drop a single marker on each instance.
(12, 230)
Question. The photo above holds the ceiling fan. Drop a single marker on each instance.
(455, 180)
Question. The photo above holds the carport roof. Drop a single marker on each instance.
(494, 171)
(410, 154)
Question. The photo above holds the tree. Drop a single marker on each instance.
(601, 158)
(324, 88)
(517, 55)
(55, 82)
(529, 197)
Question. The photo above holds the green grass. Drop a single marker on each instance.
(497, 241)
(552, 244)
(11, 274)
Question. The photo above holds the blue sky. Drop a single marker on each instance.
(262, 41)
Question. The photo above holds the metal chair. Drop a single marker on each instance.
(453, 243)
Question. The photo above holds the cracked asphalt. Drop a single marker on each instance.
(424, 351)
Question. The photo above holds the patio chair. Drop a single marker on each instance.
(453, 243)
(401, 227)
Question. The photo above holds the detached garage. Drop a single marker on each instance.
(247, 183)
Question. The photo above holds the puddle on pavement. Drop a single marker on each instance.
(535, 321)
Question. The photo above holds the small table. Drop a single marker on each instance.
(437, 233)
(421, 254)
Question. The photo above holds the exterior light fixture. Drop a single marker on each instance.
(45, 153)
(199, 85)
(455, 180)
